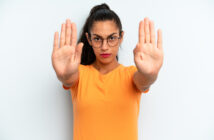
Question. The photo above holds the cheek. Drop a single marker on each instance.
(96, 51)
(115, 50)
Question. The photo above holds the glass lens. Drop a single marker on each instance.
(97, 42)
(113, 41)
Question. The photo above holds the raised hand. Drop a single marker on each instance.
(66, 56)
(148, 55)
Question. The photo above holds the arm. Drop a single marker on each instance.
(148, 55)
(66, 55)
(143, 82)
(69, 82)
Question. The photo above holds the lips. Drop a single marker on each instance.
(105, 55)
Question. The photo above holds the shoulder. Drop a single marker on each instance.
(130, 72)
(83, 67)
(129, 69)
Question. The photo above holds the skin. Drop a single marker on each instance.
(148, 55)
(66, 55)
(104, 29)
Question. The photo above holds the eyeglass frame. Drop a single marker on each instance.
(105, 38)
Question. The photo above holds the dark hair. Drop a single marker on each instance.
(100, 12)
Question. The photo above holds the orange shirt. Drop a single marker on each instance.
(105, 106)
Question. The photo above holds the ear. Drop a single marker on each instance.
(87, 36)
(121, 39)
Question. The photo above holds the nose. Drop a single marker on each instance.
(104, 45)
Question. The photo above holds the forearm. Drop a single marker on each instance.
(144, 81)
(68, 81)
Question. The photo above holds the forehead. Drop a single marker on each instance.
(104, 28)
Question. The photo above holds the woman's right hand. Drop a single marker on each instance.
(66, 56)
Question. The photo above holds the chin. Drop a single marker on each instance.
(105, 60)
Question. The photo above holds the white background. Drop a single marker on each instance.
(33, 104)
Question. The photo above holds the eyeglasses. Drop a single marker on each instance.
(97, 41)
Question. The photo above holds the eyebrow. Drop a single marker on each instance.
(101, 36)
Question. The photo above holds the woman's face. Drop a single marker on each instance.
(102, 31)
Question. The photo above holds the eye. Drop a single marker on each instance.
(96, 39)
(112, 37)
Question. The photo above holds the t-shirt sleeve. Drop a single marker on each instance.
(131, 70)
(71, 87)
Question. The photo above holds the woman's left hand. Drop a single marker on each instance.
(148, 55)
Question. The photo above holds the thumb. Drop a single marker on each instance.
(79, 50)
(136, 49)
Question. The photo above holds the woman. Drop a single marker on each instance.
(105, 94)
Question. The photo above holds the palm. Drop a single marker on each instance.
(66, 58)
(148, 56)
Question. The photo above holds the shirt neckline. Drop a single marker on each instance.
(104, 75)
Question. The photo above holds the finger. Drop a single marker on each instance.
(152, 32)
(159, 41)
(73, 34)
(68, 32)
(138, 48)
(147, 33)
(141, 38)
(56, 41)
(62, 36)
(79, 51)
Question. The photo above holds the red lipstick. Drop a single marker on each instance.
(105, 55)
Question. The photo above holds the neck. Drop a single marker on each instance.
(105, 67)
